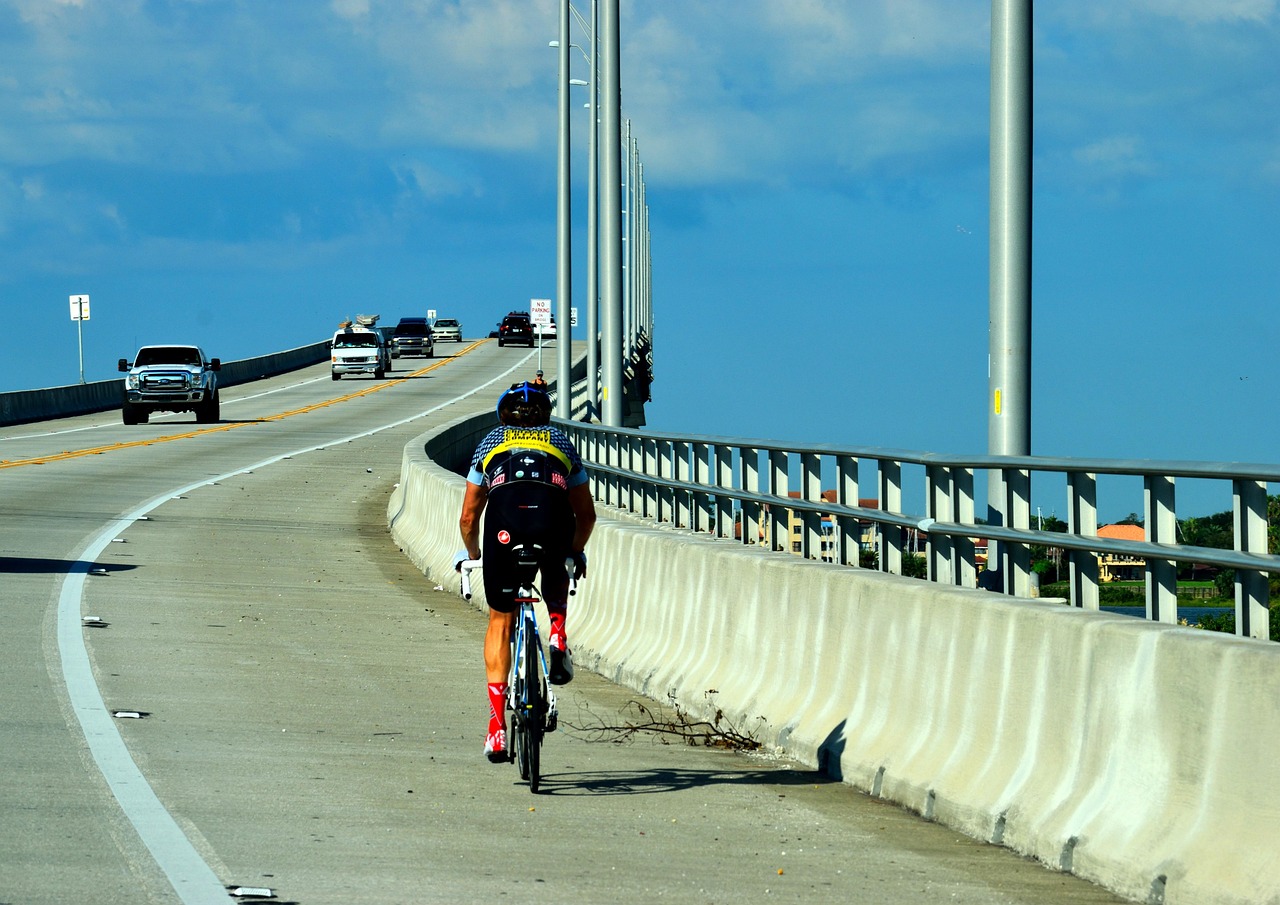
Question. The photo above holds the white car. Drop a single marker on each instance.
(447, 329)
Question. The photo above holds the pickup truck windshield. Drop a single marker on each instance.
(167, 355)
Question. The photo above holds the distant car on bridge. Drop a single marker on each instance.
(516, 328)
(447, 328)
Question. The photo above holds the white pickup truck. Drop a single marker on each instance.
(170, 379)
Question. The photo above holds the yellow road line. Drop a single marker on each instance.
(111, 447)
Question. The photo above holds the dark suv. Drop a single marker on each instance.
(412, 339)
(516, 328)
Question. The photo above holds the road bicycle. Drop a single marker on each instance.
(531, 704)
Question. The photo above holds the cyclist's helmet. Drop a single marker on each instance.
(524, 405)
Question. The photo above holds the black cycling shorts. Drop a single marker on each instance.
(525, 520)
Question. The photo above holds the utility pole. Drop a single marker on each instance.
(1009, 396)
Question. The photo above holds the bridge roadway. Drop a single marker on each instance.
(311, 708)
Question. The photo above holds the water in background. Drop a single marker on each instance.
(1191, 614)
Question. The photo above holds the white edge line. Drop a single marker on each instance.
(192, 878)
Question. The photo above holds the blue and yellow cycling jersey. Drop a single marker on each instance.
(544, 454)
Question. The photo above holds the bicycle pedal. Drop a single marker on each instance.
(553, 719)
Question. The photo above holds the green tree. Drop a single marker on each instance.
(1273, 523)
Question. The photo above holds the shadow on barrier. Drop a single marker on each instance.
(830, 753)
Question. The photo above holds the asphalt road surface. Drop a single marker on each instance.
(272, 698)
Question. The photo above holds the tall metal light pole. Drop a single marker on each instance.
(1009, 399)
(611, 216)
(593, 226)
(564, 253)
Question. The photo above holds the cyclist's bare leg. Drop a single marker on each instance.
(497, 665)
(497, 645)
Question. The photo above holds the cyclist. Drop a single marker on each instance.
(539, 382)
(531, 479)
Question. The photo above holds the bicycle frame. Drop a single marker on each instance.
(531, 704)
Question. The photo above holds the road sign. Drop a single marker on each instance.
(431, 314)
(540, 312)
(573, 316)
(79, 307)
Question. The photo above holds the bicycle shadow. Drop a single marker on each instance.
(666, 779)
(35, 565)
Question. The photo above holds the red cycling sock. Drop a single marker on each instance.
(497, 706)
(557, 635)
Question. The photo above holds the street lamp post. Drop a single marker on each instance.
(611, 217)
(592, 401)
(593, 227)
(564, 261)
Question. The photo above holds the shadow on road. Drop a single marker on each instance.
(32, 565)
(648, 782)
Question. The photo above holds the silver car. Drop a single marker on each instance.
(447, 329)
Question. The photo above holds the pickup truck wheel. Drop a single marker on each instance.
(207, 412)
(379, 374)
(129, 414)
(336, 376)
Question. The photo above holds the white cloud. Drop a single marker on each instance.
(1199, 11)
(1115, 156)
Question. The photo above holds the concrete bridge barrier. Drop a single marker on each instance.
(1136, 755)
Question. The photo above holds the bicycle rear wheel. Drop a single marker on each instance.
(535, 711)
(519, 737)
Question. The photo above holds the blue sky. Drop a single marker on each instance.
(246, 174)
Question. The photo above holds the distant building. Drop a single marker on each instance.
(1121, 566)
(795, 524)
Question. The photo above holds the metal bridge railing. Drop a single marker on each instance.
(742, 489)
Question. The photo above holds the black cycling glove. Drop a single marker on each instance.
(579, 564)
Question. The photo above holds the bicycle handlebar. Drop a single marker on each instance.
(465, 568)
(468, 565)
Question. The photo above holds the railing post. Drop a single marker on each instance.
(938, 501)
(684, 498)
(1082, 519)
(848, 538)
(649, 462)
(1017, 557)
(890, 478)
(635, 464)
(666, 469)
(1249, 516)
(702, 505)
(811, 482)
(964, 560)
(749, 467)
(779, 525)
(723, 460)
(1161, 525)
